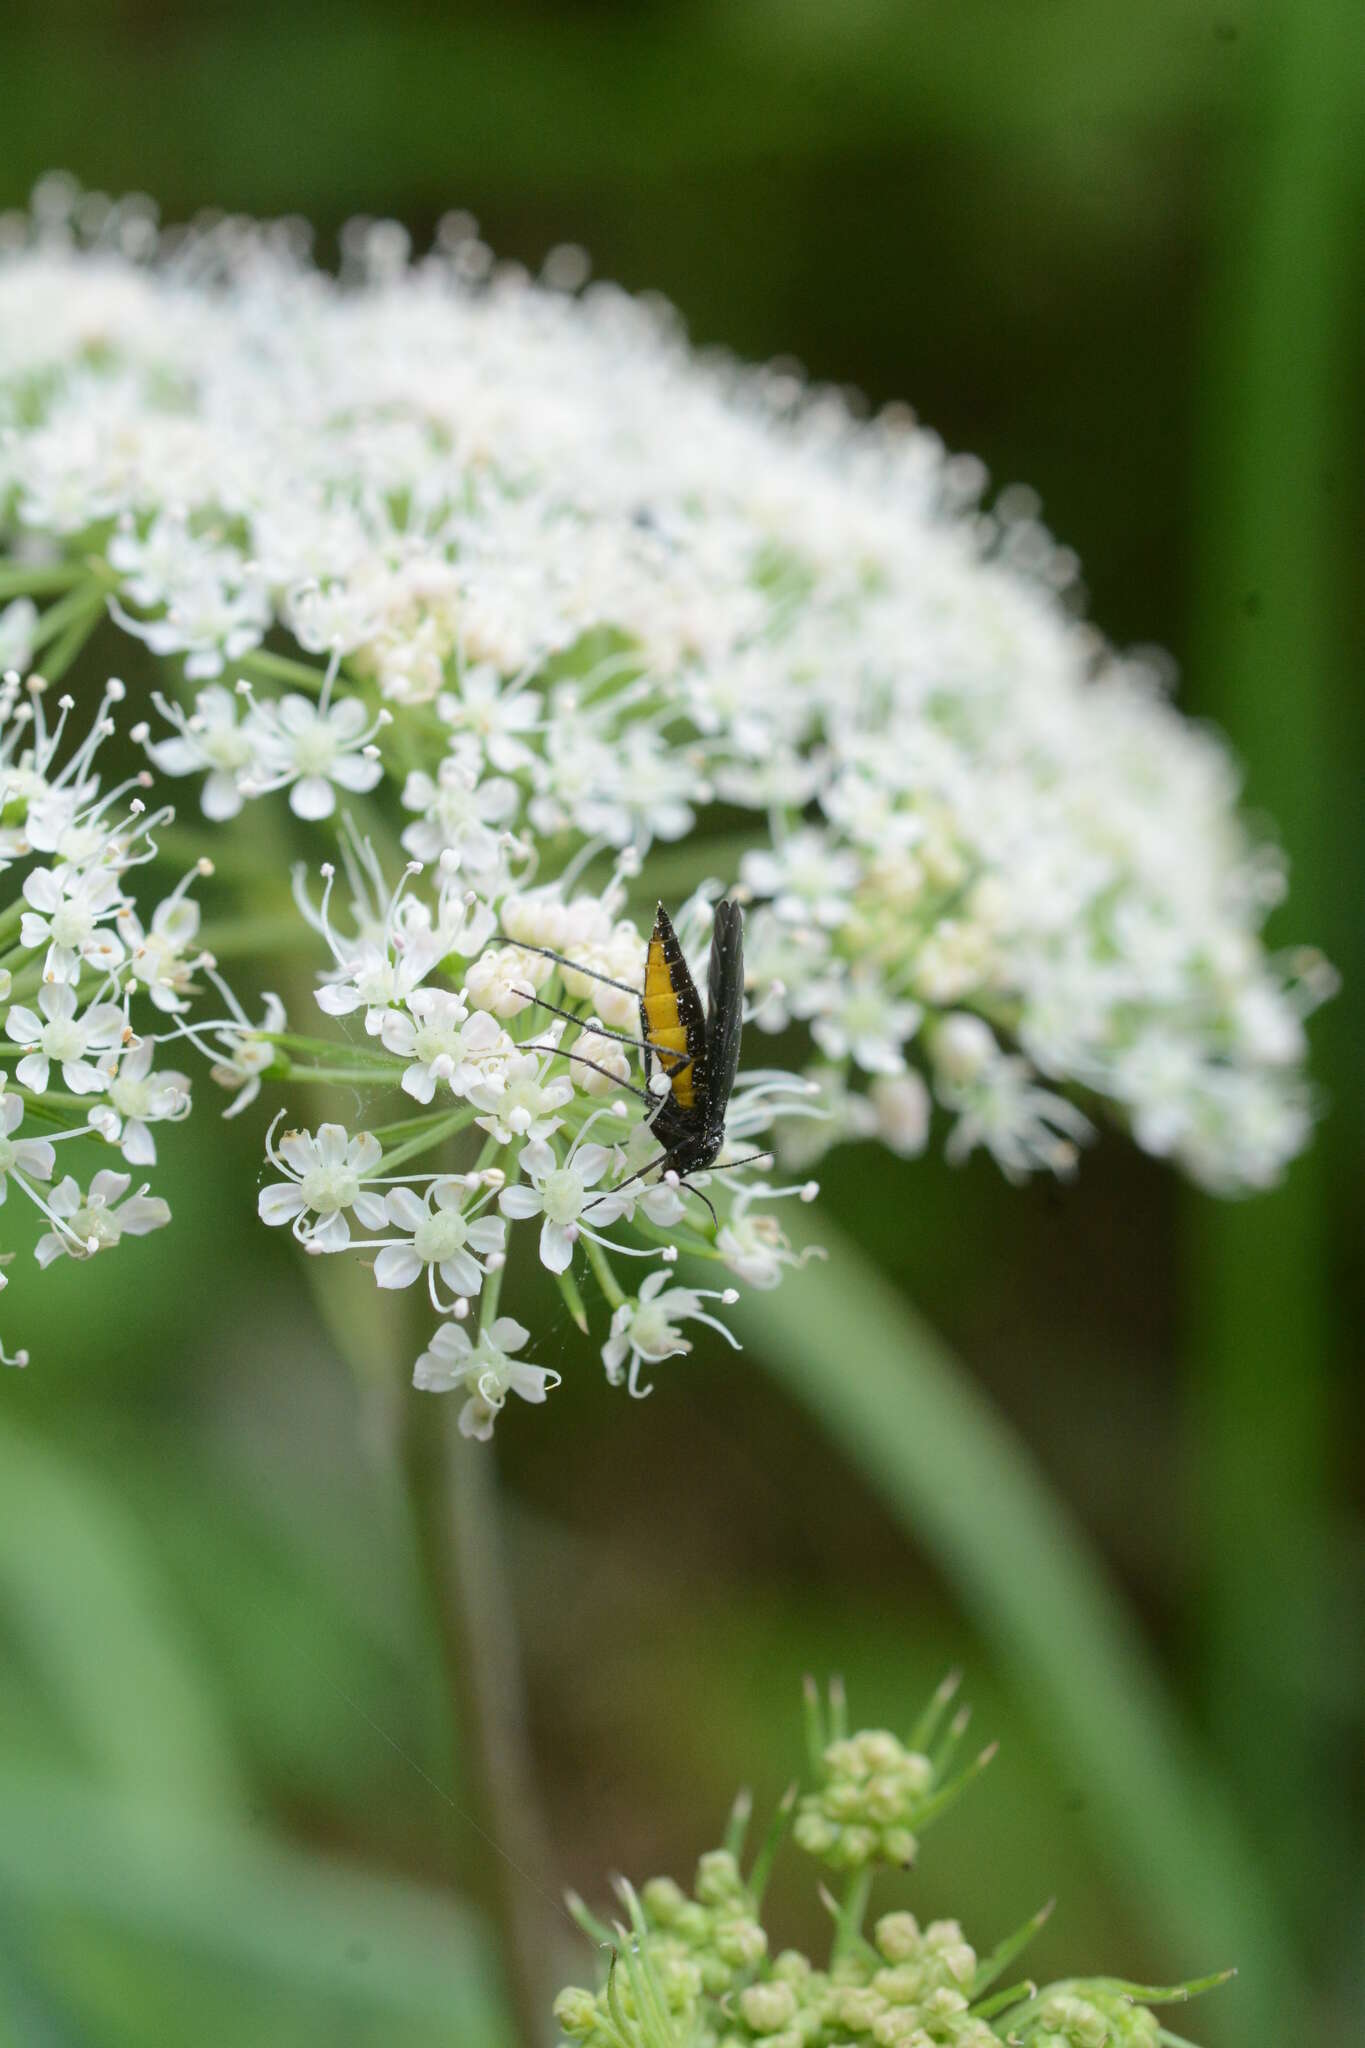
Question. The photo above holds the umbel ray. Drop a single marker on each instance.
(697, 1050)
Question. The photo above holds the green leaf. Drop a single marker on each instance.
(228, 1895)
(927, 1442)
(86, 1600)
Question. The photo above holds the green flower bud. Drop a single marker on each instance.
(843, 1759)
(877, 1749)
(740, 1942)
(900, 2030)
(884, 1798)
(718, 1878)
(855, 1847)
(943, 2002)
(1075, 2021)
(766, 2008)
(691, 1923)
(814, 1832)
(898, 1937)
(859, 2009)
(663, 1900)
(909, 1988)
(577, 2013)
(902, 1985)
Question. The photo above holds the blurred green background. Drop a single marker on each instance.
(1117, 253)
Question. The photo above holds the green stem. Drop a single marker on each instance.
(1272, 656)
(453, 1491)
(17, 579)
(350, 1077)
(69, 643)
(437, 1131)
(278, 668)
(266, 932)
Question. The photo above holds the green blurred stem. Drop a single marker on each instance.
(1270, 635)
(453, 1489)
(22, 579)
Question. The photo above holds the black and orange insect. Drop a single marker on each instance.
(697, 1049)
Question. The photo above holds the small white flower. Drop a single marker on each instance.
(462, 816)
(64, 1036)
(211, 618)
(308, 748)
(504, 978)
(486, 1370)
(810, 880)
(497, 715)
(96, 1221)
(530, 1102)
(858, 1018)
(69, 914)
(438, 1237)
(442, 1042)
(242, 1057)
(326, 1173)
(646, 1330)
(561, 1194)
(903, 1108)
(30, 1158)
(141, 1098)
(161, 956)
(211, 737)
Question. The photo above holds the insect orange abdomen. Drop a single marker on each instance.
(663, 1022)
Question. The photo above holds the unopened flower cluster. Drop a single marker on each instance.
(697, 1971)
(99, 954)
(505, 596)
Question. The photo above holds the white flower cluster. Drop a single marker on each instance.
(77, 964)
(562, 592)
(472, 1029)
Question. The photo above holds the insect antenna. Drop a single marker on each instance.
(583, 1060)
(661, 1052)
(749, 1159)
(563, 960)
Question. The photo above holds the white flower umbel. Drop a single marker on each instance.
(484, 1369)
(326, 1171)
(528, 585)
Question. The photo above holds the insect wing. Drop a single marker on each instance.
(725, 1004)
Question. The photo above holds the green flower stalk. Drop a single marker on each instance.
(696, 1971)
